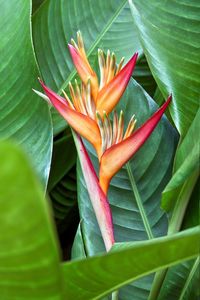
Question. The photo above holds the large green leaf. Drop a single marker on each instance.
(23, 117)
(105, 24)
(177, 196)
(29, 257)
(169, 33)
(139, 183)
(97, 276)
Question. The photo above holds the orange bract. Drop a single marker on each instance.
(82, 124)
(112, 159)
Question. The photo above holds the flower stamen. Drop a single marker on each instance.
(68, 100)
(130, 127)
(113, 134)
(108, 129)
(89, 102)
(120, 65)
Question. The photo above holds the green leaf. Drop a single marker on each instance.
(191, 217)
(143, 76)
(104, 25)
(180, 280)
(64, 202)
(36, 4)
(62, 187)
(78, 249)
(178, 192)
(186, 162)
(23, 117)
(169, 33)
(63, 159)
(143, 182)
(97, 276)
(29, 255)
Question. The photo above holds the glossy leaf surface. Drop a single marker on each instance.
(169, 33)
(97, 276)
(23, 116)
(29, 255)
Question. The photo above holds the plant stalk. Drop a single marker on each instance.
(174, 226)
(115, 295)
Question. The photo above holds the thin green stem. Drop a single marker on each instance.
(139, 202)
(174, 226)
(157, 283)
(115, 295)
(182, 203)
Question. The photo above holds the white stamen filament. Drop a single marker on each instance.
(112, 135)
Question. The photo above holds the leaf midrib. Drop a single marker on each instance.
(139, 202)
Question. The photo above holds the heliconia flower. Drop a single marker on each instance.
(118, 149)
(113, 79)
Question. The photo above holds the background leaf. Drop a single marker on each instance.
(29, 255)
(143, 76)
(36, 4)
(23, 117)
(62, 189)
(169, 31)
(63, 158)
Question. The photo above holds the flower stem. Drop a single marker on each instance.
(115, 295)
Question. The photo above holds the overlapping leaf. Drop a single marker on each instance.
(143, 76)
(169, 33)
(23, 117)
(96, 277)
(29, 257)
(181, 282)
